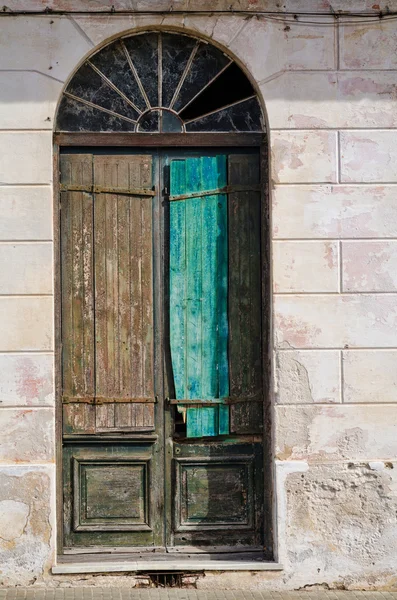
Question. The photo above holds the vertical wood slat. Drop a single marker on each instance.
(124, 295)
(77, 304)
(198, 292)
(107, 245)
(245, 295)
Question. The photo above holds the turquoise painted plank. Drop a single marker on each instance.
(193, 422)
(210, 387)
(194, 280)
(223, 412)
(198, 294)
(178, 279)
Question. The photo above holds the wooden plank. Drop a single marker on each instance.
(124, 294)
(161, 139)
(245, 296)
(222, 286)
(193, 284)
(77, 293)
(177, 279)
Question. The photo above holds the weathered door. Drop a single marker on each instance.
(215, 382)
(112, 455)
(162, 387)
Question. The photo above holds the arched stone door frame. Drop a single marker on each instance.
(180, 140)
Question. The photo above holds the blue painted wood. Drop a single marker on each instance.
(178, 280)
(198, 292)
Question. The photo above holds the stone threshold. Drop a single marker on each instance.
(187, 565)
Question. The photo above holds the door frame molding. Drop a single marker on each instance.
(181, 140)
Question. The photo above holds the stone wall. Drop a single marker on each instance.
(329, 90)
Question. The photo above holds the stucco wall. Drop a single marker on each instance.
(330, 95)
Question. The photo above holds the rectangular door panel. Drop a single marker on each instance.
(110, 496)
(218, 494)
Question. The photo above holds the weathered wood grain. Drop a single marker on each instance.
(198, 291)
(245, 295)
(107, 295)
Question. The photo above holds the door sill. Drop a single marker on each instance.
(164, 562)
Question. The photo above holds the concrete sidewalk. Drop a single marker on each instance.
(104, 593)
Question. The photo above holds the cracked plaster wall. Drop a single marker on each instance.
(330, 97)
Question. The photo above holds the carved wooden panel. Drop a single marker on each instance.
(218, 497)
(110, 495)
(215, 493)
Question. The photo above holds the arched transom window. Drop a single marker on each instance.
(159, 82)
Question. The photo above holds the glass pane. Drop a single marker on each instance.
(75, 116)
(244, 116)
(207, 63)
(230, 87)
(88, 85)
(176, 53)
(150, 121)
(113, 63)
(170, 122)
(143, 50)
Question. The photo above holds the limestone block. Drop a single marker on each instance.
(334, 321)
(364, 46)
(369, 266)
(336, 432)
(27, 435)
(370, 376)
(368, 156)
(26, 379)
(337, 524)
(27, 533)
(310, 376)
(334, 211)
(305, 267)
(99, 29)
(49, 44)
(26, 213)
(27, 100)
(303, 156)
(312, 100)
(26, 268)
(26, 323)
(25, 157)
(266, 47)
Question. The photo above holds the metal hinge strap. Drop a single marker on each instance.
(227, 189)
(98, 189)
(214, 401)
(106, 400)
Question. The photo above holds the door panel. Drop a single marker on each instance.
(112, 483)
(216, 350)
(218, 495)
(110, 495)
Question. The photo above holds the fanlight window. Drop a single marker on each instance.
(159, 82)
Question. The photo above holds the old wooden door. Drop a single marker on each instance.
(162, 388)
(215, 375)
